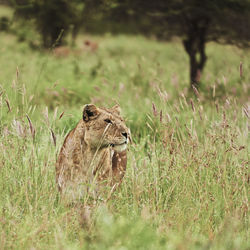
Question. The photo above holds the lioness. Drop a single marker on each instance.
(93, 153)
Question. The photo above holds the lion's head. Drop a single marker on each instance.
(105, 128)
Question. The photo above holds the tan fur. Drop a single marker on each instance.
(93, 153)
(91, 45)
(64, 52)
(61, 51)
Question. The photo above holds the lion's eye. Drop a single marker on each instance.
(108, 121)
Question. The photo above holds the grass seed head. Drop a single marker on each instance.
(17, 72)
(161, 116)
(241, 69)
(192, 104)
(61, 115)
(246, 111)
(195, 91)
(32, 128)
(155, 113)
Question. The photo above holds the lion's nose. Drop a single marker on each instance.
(125, 134)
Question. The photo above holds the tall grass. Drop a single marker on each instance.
(187, 182)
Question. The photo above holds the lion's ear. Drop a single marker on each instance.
(90, 112)
(116, 109)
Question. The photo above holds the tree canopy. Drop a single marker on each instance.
(53, 18)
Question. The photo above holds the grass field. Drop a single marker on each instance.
(187, 182)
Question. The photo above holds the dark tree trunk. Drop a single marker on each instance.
(194, 45)
(52, 37)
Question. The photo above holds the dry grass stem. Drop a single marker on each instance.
(8, 105)
(53, 137)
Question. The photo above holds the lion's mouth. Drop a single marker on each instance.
(119, 144)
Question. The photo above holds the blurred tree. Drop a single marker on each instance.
(196, 22)
(53, 18)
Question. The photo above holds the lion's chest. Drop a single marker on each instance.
(96, 163)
